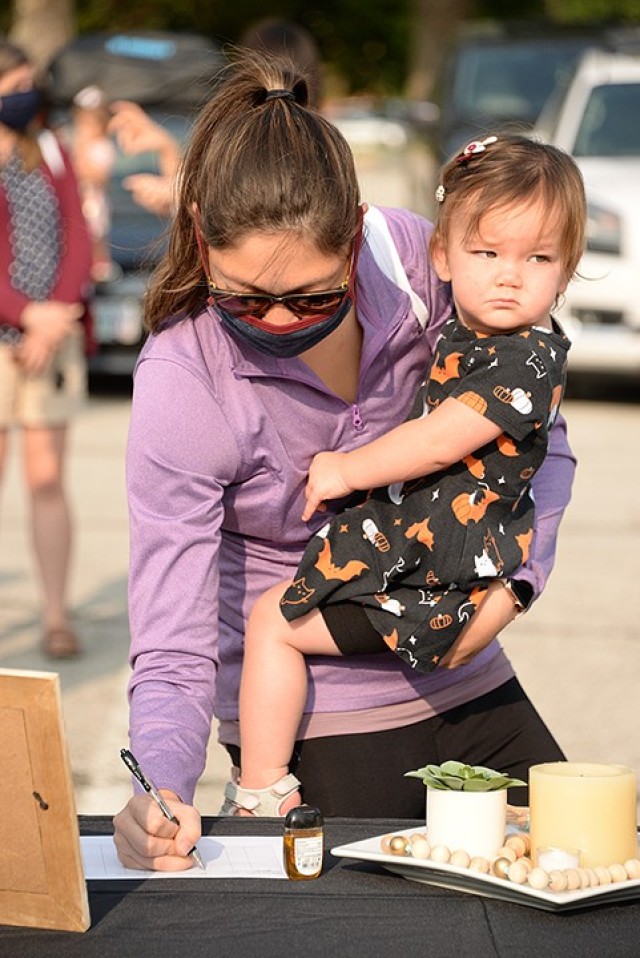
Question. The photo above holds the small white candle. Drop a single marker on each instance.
(584, 806)
(550, 858)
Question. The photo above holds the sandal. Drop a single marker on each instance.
(261, 802)
(60, 644)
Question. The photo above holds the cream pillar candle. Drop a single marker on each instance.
(585, 806)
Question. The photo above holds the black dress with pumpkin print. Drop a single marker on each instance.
(419, 556)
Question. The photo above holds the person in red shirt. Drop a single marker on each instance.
(45, 329)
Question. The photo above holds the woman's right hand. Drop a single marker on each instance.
(145, 839)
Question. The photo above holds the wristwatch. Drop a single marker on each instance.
(521, 592)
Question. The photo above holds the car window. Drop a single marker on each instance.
(512, 81)
(607, 127)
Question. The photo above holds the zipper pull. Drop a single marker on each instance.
(358, 424)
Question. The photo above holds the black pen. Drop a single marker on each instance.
(150, 788)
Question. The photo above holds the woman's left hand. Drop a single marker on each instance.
(496, 611)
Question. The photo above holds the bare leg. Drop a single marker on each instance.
(273, 690)
(50, 520)
(4, 445)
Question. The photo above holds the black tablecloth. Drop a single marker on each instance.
(354, 909)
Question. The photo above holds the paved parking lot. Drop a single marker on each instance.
(576, 652)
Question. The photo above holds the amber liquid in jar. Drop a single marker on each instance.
(303, 843)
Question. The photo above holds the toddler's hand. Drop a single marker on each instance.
(326, 481)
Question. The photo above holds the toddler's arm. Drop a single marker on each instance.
(416, 448)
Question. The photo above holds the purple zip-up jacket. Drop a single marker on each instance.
(220, 442)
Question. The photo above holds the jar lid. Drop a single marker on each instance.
(304, 816)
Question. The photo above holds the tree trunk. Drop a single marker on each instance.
(433, 25)
(42, 27)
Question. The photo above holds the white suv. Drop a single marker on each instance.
(596, 118)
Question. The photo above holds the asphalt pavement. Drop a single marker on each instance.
(576, 652)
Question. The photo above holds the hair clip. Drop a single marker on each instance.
(440, 191)
(476, 146)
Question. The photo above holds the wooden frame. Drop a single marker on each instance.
(42, 880)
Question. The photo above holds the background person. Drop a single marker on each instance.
(93, 156)
(266, 282)
(136, 132)
(45, 261)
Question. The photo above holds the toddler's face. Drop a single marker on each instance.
(509, 272)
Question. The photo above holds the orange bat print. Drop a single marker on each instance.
(442, 374)
(506, 445)
(476, 595)
(524, 541)
(421, 532)
(302, 593)
(345, 573)
(471, 508)
(475, 466)
(391, 640)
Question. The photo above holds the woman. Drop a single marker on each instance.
(45, 261)
(278, 334)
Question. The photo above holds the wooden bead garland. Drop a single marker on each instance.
(512, 863)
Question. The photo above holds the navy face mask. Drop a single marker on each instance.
(17, 110)
(283, 345)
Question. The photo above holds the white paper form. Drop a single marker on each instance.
(230, 856)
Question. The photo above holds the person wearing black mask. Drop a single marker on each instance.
(287, 317)
(44, 324)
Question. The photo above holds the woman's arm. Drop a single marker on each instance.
(552, 490)
(180, 458)
(416, 448)
(136, 133)
(551, 486)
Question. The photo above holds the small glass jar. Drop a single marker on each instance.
(303, 843)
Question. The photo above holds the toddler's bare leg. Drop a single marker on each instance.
(273, 690)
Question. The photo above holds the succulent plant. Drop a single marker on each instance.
(456, 777)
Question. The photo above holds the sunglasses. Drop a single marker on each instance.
(308, 308)
(304, 306)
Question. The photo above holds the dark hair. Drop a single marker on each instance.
(255, 163)
(12, 58)
(512, 170)
(280, 38)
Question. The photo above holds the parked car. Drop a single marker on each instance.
(503, 75)
(169, 75)
(595, 117)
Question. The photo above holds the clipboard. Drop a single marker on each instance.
(42, 881)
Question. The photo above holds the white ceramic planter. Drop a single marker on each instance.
(473, 821)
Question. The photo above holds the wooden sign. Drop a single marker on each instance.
(42, 881)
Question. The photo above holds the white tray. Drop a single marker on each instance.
(461, 879)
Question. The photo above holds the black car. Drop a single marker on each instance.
(169, 75)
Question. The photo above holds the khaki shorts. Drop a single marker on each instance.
(49, 399)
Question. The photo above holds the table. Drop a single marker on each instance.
(354, 909)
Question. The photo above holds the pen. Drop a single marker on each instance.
(150, 788)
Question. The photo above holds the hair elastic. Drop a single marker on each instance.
(279, 95)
